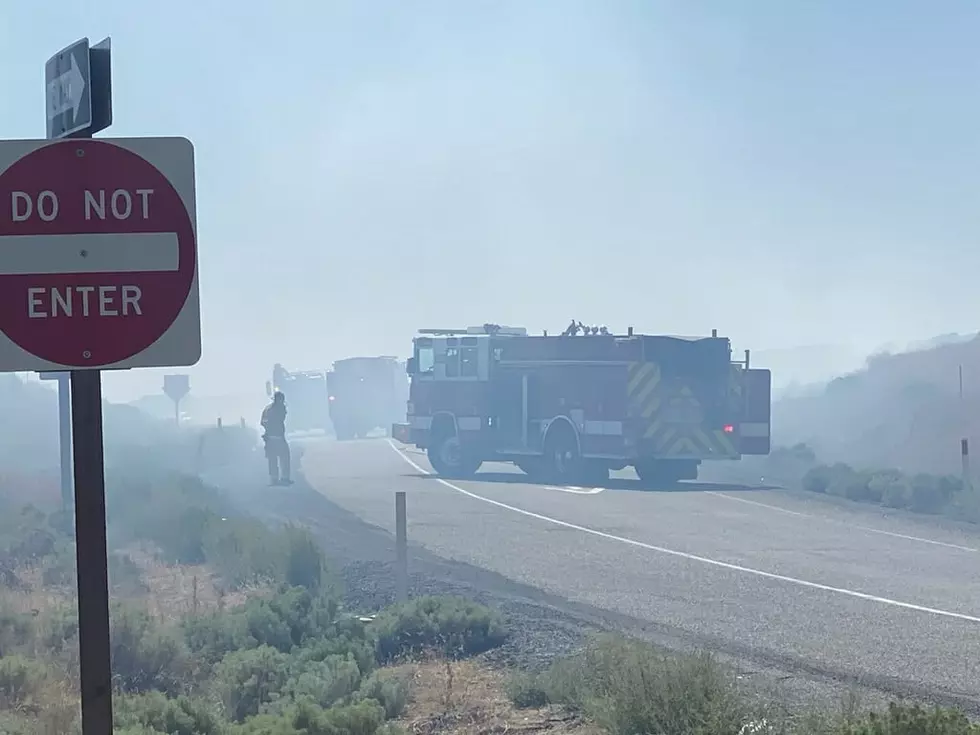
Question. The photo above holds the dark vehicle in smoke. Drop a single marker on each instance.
(366, 393)
(306, 398)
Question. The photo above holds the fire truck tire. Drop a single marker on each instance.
(449, 458)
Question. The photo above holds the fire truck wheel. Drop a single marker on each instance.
(449, 458)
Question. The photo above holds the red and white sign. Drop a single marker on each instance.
(98, 254)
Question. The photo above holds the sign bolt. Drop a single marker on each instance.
(86, 354)
(80, 152)
(83, 253)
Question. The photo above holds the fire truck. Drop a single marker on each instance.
(366, 393)
(570, 408)
(306, 397)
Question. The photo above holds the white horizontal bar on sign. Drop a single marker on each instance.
(152, 252)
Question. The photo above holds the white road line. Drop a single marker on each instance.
(694, 557)
(859, 527)
(576, 490)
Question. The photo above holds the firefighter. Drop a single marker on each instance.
(276, 448)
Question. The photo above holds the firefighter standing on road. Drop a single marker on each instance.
(276, 448)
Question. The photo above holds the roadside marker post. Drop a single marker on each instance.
(401, 547)
(98, 271)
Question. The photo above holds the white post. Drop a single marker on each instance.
(401, 549)
(965, 456)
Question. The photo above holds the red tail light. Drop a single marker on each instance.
(728, 429)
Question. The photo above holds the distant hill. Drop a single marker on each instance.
(902, 409)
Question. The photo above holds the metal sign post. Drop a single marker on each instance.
(64, 435)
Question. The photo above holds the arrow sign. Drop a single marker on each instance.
(67, 77)
(65, 92)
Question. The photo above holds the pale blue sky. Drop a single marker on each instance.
(788, 172)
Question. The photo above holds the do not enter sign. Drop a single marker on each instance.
(98, 254)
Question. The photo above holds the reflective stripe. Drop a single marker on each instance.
(469, 423)
(603, 428)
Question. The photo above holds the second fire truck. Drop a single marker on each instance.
(571, 407)
(366, 393)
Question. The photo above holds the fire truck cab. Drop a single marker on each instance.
(571, 407)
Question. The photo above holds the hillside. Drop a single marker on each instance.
(900, 410)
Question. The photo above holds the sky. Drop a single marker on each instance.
(790, 173)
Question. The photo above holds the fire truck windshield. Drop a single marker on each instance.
(426, 360)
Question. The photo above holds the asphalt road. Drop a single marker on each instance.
(835, 592)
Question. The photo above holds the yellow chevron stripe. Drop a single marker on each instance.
(642, 396)
(637, 374)
(652, 406)
(644, 393)
(684, 445)
(653, 429)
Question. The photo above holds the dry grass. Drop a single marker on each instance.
(469, 698)
(175, 591)
(171, 591)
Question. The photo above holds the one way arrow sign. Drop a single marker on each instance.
(67, 77)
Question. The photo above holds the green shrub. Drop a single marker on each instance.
(932, 493)
(305, 563)
(247, 680)
(630, 687)
(526, 690)
(21, 682)
(125, 575)
(16, 630)
(305, 718)
(324, 682)
(842, 481)
(913, 720)
(146, 656)
(345, 637)
(818, 479)
(451, 625)
(290, 618)
(59, 569)
(388, 688)
(212, 635)
(155, 713)
(57, 628)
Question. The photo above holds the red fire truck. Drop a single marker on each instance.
(569, 408)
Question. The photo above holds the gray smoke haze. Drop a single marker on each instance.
(791, 174)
